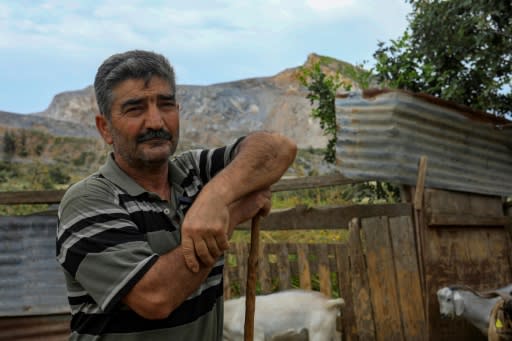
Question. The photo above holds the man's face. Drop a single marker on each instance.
(144, 128)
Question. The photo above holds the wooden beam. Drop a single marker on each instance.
(466, 220)
(419, 225)
(336, 217)
(420, 183)
(31, 197)
(287, 184)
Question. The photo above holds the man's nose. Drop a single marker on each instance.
(154, 117)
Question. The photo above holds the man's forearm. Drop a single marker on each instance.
(165, 286)
(261, 160)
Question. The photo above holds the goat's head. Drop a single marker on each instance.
(451, 303)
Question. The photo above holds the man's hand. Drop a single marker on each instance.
(204, 232)
(253, 204)
(209, 224)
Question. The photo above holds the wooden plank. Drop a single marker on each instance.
(303, 262)
(324, 274)
(264, 270)
(466, 220)
(31, 197)
(55, 196)
(410, 297)
(381, 279)
(360, 289)
(283, 266)
(420, 182)
(292, 258)
(448, 202)
(335, 217)
(273, 250)
(348, 318)
(418, 211)
(485, 205)
(311, 182)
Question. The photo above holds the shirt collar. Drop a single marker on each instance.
(116, 175)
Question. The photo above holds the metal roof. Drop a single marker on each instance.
(31, 282)
(383, 134)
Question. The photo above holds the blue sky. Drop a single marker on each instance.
(48, 47)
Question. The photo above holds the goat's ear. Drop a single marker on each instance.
(458, 301)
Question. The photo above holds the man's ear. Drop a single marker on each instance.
(458, 301)
(103, 127)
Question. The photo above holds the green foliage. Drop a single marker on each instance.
(9, 144)
(456, 50)
(83, 158)
(7, 171)
(371, 192)
(360, 74)
(57, 176)
(48, 163)
(322, 92)
(23, 152)
(39, 149)
(15, 210)
(311, 197)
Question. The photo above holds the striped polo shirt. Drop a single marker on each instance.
(111, 231)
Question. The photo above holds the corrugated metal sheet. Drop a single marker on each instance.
(31, 282)
(382, 137)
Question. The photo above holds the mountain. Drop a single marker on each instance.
(216, 114)
(60, 145)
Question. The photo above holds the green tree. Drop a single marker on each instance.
(456, 50)
(322, 92)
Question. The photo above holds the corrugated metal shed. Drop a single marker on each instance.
(382, 135)
(31, 282)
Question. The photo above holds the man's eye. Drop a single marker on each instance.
(168, 104)
(133, 111)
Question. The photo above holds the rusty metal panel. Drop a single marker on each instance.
(382, 138)
(31, 282)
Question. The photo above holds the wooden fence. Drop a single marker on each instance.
(376, 273)
(286, 265)
(388, 272)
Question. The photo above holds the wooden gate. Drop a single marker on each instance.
(385, 287)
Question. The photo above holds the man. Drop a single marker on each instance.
(141, 240)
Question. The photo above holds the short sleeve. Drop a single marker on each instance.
(99, 245)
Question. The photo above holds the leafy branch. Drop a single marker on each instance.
(322, 92)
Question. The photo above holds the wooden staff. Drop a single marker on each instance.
(252, 268)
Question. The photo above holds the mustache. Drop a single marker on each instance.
(154, 134)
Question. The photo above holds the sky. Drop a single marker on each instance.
(53, 46)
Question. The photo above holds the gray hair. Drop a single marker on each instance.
(135, 64)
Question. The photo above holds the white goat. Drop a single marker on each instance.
(283, 312)
(458, 301)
